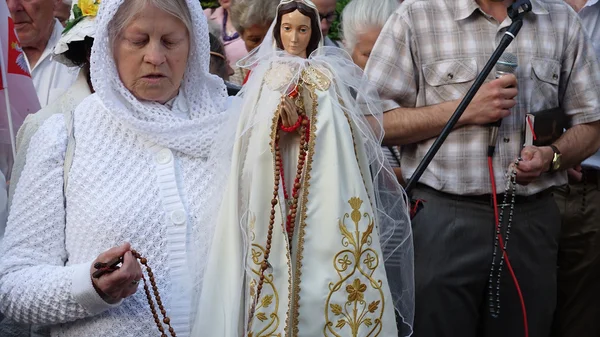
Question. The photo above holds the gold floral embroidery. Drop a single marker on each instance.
(267, 306)
(319, 78)
(355, 267)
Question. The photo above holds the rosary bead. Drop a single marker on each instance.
(274, 202)
(143, 260)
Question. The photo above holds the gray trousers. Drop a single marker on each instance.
(454, 240)
(578, 311)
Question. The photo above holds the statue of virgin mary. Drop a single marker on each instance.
(313, 235)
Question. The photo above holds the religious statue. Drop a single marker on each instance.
(313, 236)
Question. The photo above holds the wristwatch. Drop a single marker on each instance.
(555, 164)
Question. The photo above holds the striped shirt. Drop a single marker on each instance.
(430, 52)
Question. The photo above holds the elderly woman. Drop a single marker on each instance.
(139, 179)
(362, 21)
(252, 19)
(73, 50)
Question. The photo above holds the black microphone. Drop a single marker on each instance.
(507, 64)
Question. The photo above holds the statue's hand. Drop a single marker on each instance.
(289, 111)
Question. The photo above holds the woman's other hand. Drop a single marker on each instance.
(121, 283)
(289, 112)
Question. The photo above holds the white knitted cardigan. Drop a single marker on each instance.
(116, 193)
(139, 174)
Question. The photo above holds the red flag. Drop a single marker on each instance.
(17, 64)
(18, 97)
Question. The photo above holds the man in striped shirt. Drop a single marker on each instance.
(427, 56)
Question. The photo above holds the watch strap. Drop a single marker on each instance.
(556, 153)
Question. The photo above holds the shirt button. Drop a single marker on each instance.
(450, 76)
(164, 156)
(178, 217)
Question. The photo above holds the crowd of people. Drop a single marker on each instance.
(258, 166)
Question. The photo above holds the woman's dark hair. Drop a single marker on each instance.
(79, 52)
(315, 36)
(218, 64)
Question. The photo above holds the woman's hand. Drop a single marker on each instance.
(289, 111)
(121, 283)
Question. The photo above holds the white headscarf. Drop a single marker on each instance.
(204, 94)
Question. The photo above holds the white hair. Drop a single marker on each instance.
(131, 8)
(360, 15)
(247, 13)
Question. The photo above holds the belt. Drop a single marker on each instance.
(487, 198)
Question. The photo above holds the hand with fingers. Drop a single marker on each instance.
(575, 173)
(535, 161)
(289, 111)
(493, 101)
(121, 282)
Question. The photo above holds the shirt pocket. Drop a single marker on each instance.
(449, 80)
(545, 79)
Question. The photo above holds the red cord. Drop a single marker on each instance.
(501, 243)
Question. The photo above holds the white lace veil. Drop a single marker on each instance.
(205, 94)
(364, 110)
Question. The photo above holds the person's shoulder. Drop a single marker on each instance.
(411, 12)
(32, 122)
(408, 6)
(554, 9)
(49, 141)
(213, 13)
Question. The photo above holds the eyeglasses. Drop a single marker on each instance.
(330, 17)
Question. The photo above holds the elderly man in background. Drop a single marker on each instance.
(579, 246)
(328, 15)
(39, 31)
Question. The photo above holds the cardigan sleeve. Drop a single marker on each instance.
(35, 285)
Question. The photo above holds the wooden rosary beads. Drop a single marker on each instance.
(279, 177)
(108, 267)
(166, 320)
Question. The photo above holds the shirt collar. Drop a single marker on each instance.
(464, 8)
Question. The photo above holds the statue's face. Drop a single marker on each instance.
(295, 33)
